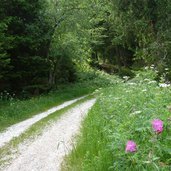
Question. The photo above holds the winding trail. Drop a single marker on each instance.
(48, 150)
(19, 128)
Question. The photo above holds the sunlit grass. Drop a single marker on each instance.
(125, 112)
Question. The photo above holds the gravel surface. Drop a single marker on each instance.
(19, 128)
(48, 150)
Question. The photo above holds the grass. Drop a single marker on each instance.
(125, 112)
(11, 149)
(19, 110)
(14, 111)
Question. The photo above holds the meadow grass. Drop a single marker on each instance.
(124, 112)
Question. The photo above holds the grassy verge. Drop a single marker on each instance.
(15, 111)
(125, 112)
(10, 150)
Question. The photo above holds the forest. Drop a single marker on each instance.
(45, 43)
(85, 85)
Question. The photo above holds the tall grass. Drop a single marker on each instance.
(125, 112)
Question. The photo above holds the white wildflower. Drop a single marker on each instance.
(126, 77)
(164, 85)
(132, 83)
(116, 98)
(128, 91)
(136, 112)
(152, 66)
(146, 68)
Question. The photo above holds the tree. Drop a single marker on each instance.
(25, 38)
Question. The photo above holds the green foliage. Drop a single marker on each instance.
(44, 43)
(145, 74)
(123, 71)
(132, 32)
(5, 44)
(22, 33)
(98, 78)
(69, 45)
(125, 112)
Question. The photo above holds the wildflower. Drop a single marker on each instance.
(164, 85)
(157, 125)
(131, 83)
(127, 91)
(126, 78)
(131, 146)
(136, 112)
(152, 66)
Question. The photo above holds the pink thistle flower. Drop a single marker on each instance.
(131, 146)
(157, 125)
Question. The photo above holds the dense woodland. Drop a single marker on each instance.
(44, 43)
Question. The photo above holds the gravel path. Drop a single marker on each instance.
(18, 129)
(47, 151)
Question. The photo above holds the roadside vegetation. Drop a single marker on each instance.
(124, 113)
(14, 110)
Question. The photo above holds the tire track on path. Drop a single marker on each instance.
(17, 129)
(47, 151)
